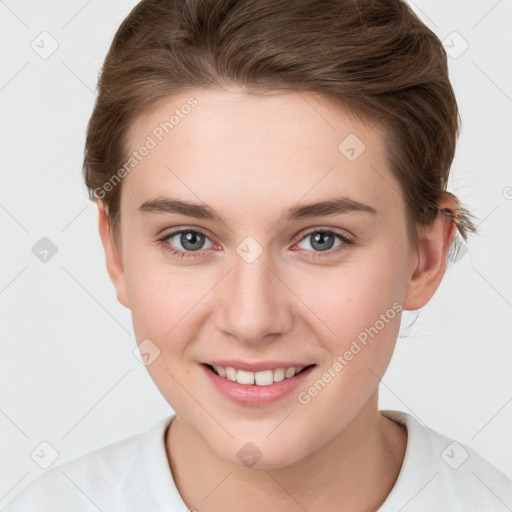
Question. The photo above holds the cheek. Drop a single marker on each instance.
(165, 311)
(362, 310)
(357, 307)
(353, 295)
(159, 297)
(170, 306)
(161, 292)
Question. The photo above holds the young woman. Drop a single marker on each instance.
(271, 180)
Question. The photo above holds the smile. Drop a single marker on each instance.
(261, 378)
(256, 384)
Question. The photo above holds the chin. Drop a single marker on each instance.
(262, 453)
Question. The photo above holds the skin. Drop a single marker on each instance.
(249, 157)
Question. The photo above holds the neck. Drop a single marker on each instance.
(356, 470)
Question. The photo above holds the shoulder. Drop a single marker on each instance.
(119, 476)
(439, 473)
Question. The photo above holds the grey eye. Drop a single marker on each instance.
(321, 240)
(189, 240)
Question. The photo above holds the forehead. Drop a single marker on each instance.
(235, 148)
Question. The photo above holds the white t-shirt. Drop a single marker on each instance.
(437, 475)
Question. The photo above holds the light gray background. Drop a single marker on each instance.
(68, 373)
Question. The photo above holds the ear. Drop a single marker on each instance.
(434, 244)
(113, 259)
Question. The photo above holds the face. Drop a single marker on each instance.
(254, 278)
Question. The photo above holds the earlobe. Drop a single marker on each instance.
(113, 259)
(434, 244)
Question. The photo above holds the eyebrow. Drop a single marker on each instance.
(333, 206)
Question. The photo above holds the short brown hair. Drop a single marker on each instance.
(374, 58)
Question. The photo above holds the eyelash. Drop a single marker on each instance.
(347, 243)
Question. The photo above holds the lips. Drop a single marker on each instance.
(256, 395)
(258, 366)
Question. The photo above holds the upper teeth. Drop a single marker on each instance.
(263, 378)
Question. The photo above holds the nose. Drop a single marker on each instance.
(255, 303)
